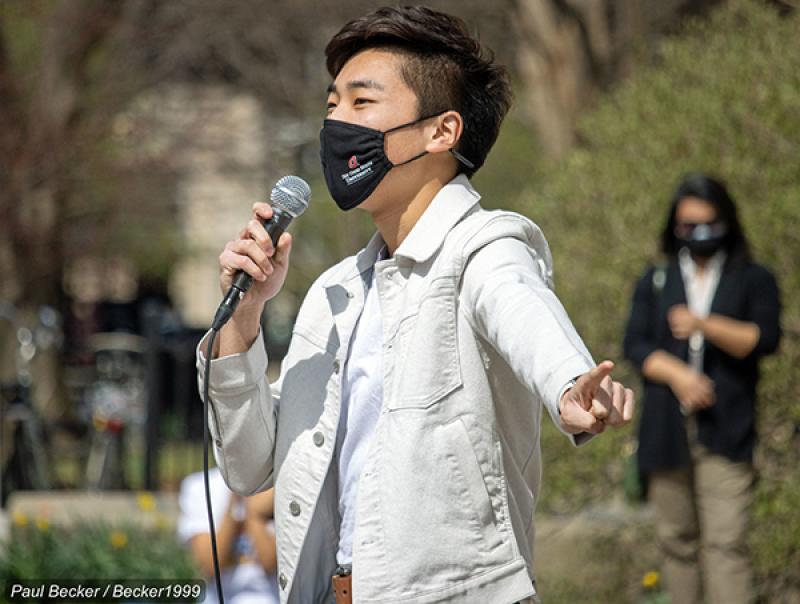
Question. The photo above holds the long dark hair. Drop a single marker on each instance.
(713, 191)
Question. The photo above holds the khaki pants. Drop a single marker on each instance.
(702, 519)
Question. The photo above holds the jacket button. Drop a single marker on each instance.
(282, 581)
(294, 508)
(336, 366)
(218, 443)
(319, 439)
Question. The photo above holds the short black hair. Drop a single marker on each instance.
(443, 65)
(713, 191)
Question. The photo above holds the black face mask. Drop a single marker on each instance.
(354, 159)
(705, 240)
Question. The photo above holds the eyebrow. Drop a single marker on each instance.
(353, 84)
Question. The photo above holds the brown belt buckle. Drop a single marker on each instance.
(343, 584)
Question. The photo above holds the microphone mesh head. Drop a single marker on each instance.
(291, 194)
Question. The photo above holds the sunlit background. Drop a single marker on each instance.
(136, 134)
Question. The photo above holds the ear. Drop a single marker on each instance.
(447, 131)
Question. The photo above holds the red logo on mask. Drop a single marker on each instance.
(352, 163)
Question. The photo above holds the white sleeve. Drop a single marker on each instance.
(508, 299)
(193, 518)
(242, 416)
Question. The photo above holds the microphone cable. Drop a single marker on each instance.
(211, 338)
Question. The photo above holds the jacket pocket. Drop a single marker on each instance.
(476, 494)
(426, 345)
(437, 515)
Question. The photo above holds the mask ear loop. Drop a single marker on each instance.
(462, 159)
(455, 153)
(411, 123)
(408, 161)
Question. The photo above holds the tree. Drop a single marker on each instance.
(43, 112)
(569, 50)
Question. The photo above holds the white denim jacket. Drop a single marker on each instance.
(475, 342)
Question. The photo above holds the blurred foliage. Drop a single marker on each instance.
(595, 558)
(91, 551)
(108, 204)
(722, 97)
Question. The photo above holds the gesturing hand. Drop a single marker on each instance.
(596, 401)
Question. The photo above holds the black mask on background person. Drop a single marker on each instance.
(354, 159)
(705, 239)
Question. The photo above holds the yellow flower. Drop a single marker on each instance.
(20, 519)
(651, 579)
(118, 539)
(43, 524)
(146, 502)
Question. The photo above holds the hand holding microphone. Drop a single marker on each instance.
(254, 255)
(259, 257)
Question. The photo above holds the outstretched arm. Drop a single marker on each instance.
(513, 308)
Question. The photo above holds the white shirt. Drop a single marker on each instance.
(245, 583)
(700, 290)
(362, 399)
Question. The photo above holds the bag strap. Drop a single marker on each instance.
(659, 279)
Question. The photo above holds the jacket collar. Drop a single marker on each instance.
(451, 203)
(366, 258)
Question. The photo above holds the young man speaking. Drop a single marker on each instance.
(402, 436)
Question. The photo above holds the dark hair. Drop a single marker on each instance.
(445, 67)
(713, 191)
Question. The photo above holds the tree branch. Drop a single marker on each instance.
(76, 29)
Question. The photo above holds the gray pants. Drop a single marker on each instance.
(702, 519)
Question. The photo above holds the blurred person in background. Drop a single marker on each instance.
(245, 539)
(699, 325)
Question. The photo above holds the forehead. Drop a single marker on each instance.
(372, 68)
(694, 209)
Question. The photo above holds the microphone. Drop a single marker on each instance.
(289, 199)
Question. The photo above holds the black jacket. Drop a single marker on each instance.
(747, 292)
